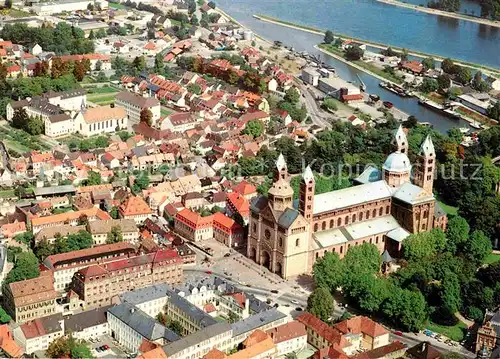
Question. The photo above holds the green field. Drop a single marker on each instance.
(492, 258)
(448, 209)
(456, 332)
(165, 111)
(18, 13)
(102, 98)
(115, 5)
(101, 90)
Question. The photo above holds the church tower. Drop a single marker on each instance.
(400, 142)
(426, 163)
(306, 195)
(280, 195)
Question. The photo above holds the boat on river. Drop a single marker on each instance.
(396, 89)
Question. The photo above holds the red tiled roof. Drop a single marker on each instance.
(287, 331)
(193, 219)
(381, 352)
(352, 97)
(254, 115)
(330, 334)
(209, 308)
(244, 188)
(134, 206)
(238, 298)
(361, 324)
(239, 202)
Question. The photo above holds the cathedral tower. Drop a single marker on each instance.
(400, 142)
(280, 195)
(426, 163)
(306, 195)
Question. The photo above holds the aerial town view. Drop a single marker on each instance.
(238, 179)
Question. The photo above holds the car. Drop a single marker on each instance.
(269, 300)
(427, 332)
(439, 338)
(398, 333)
(276, 305)
(294, 301)
(208, 272)
(98, 349)
(275, 291)
(106, 346)
(287, 305)
(227, 254)
(298, 309)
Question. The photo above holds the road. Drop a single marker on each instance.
(318, 116)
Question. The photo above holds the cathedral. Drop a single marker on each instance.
(383, 208)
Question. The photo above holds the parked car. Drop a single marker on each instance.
(439, 338)
(275, 291)
(298, 309)
(208, 272)
(428, 332)
(294, 301)
(227, 254)
(276, 305)
(398, 333)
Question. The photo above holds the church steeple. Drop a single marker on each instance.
(400, 141)
(281, 168)
(306, 195)
(426, 163)
(280, 195)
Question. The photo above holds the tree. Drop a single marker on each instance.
(114, 212)
(43, 249)
(406, 308)
(478, 247)
(211, 4)
(448, 66)
(457, 232)
(450, 293)
(194, 20)
(93, 179)
(83, 220)
(4, 316)
(354, 53)
(443, 81)
(69, 347)
(464, 75)
(478, 83)
(8, 4)
(254, 128)
(115, 235)
(494, 111)
(292, 95)
(141, 182)
(429, 85)
(20, 118)
(26, 238)
(158, 66)
(329, 104)
(194, 88)
(429, 63)
(146, 116)
(328, 272)
(328, 37)
(423, 245)
(35, 125)
(80, 240)
(139, 63)
(91, 34)
(320, 303)
(26, 266)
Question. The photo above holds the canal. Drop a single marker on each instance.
(304, 41)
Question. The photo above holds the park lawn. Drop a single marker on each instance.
(165, 111)
(101, 90)
(100, 98)
(115, 5)
(455, 332)
(450, 210)
(7, 193)
(18, 13)
(492, 258)
(16, 146)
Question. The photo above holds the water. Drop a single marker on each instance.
(304, 41)
(389, 24)
(467, 7)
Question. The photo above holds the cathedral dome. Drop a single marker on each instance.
(397, 162)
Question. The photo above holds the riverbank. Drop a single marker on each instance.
(360, 65)
(442, 13)
(485, 69)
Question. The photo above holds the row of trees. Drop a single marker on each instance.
(34, 125)
(73, 242)
(435, 281)
(62, 39)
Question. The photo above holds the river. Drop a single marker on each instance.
(304, 41)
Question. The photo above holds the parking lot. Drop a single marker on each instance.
(115, 350)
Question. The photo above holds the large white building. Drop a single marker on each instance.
(101, 119)
(134, 104)
(56, 7)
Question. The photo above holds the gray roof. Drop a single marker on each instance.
(351, 196)
(78, 322)
(438, 210)
(398, 234)
(196, 338)
(409, 193)
(197, 315)
(147, 294)
(256, 321)
(370, 174)
(43, 191)
(142, 323)
(386, 257)
(288, 217)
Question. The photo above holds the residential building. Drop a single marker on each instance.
(101, 119)
(423, 350)
(289, 337)
(65, 265)
(383, 210)
(37, 334)
(98, 283)
(31, 298)
(134, 104)
(488, 333)
(7, 343)
(238, 204)
(192, 226)
(100, 229)
(71, 218)
(130, 326)
(88, 325)
(179, 122)
(227, 231)
(135, 208)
